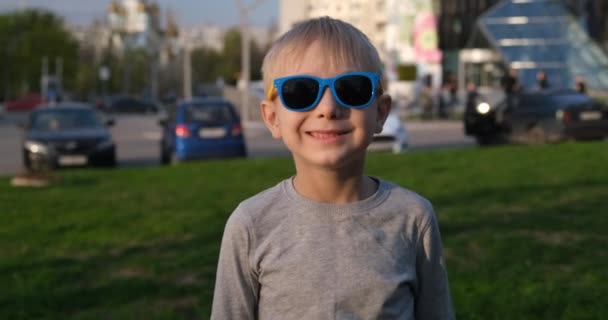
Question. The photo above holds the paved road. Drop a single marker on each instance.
(137, 139)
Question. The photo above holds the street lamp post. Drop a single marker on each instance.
(187, 67)
(244, 12)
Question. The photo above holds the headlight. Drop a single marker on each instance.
(483, 108)
(36, 147)
(105, 143)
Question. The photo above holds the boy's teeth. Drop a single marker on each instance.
(324, 134)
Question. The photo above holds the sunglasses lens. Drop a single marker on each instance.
(299, 93)
(354, 90)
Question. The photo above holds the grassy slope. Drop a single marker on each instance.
(524, 231)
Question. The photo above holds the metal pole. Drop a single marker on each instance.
(59, 74)
(44, 76)
(245, 55)
(245, 74)
(187, 72)
(153, 60)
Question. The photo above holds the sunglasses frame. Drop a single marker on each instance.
(323, 83)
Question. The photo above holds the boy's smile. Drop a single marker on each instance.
(329, 136)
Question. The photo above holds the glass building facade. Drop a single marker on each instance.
(542, 35)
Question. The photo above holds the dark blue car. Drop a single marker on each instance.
(67, 134)
(202, 128)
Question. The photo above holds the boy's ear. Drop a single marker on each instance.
(384, 108)
(269, 115)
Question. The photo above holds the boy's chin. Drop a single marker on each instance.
(335, 161)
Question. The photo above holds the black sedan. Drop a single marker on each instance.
(67, 134)
(539, 117)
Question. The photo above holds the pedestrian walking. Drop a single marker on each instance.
(541, 78)
(427, 98)
(580, 85)
(511, 87)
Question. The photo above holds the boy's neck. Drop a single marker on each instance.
(332, 187)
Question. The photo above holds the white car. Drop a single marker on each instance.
(393, 137)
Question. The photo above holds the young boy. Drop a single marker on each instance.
(330, 242)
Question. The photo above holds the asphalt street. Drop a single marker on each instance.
(137, 139)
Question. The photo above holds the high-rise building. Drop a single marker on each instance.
(370, 16)
(135, 23)
(367, 15)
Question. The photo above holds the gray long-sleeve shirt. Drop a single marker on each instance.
(287, 257)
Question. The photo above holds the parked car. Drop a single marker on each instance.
(25, 103)
(393, 137)
(67, 134)
(539, 117)
(2, 111)
(202, 128)
(128, 105)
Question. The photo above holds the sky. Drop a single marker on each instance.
(189, 12)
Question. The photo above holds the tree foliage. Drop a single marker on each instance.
(209, 64)
(28, 36)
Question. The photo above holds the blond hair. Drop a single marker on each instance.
(345, 44)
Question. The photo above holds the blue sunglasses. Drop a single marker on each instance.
(303, 92)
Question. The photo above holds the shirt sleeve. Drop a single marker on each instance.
(433, 301)
(236, 285)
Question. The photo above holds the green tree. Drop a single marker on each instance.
(28, 36)
(257, 57)
(230, 67)
(206, 65)
(137, 62)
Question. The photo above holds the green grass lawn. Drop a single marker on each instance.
(524, 230)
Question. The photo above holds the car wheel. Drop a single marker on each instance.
(487, 140)
(243, 152)
(26, 161)
(536, 135)
(164, 158)
(112, 163)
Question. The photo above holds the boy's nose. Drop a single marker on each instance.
(329, 107)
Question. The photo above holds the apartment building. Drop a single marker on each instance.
(368, 15)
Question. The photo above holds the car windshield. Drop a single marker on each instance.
(209, 112)
(61, 119)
